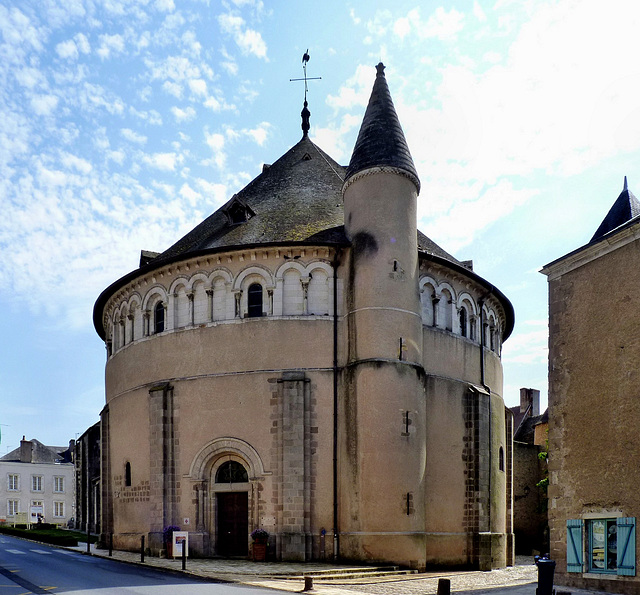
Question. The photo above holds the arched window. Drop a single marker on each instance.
(127, 474)
(158, 318)
(254, 301)
(231, 472)
(463, 322)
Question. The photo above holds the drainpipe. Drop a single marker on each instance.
(336, 542)
(483, 382)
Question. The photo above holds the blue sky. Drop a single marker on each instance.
(124, 124)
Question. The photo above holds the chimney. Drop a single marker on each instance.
(530, 397)
(26, 451)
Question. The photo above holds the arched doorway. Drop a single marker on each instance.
(231, 493)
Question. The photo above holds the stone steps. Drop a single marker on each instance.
(350, 574)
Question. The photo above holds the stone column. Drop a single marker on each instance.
(294, 485)
(162, 463)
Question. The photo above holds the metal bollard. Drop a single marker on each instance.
(308, 583)
(184, 556)
(110, 545)
(142, 549)
(444, 586)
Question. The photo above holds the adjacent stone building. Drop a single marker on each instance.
(87, 467)
(594, 405)
(37, 484)
(529, 469)
(307, 362)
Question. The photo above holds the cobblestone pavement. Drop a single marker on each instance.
(516, 580)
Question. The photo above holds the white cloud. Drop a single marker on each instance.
(218, 192)
(162, 161)
(215, 141)
(44, 105)
(73, 162)
(189, 194)
(526, 346)
(198, 87)
(67, 49)
(132, 136)
(172, 88)
(356, 91)
(259, 133)
(442, 24)
(183, 115)
(165, 5)
(82, 43)
(248, 40)
(110, 43)
(30, 77)
(176, 68)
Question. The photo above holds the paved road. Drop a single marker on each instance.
(27, 567)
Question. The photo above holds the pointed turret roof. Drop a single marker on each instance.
(381, 141)
(626, 207)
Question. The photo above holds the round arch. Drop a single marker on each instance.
(212, 453)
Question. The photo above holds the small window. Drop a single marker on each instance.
(13, 507)
(501, 459)
(127, 474)
(609, 546)
(13, 482)
(58, 509)
(254, 301)
(158, 318)
(36, 483)
(58, 484)
(231, 472)
(463, 322)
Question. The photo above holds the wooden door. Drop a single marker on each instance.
(232, 524)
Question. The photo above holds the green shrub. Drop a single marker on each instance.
(51, 536)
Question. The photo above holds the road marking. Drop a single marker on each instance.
(18, 580)
(44, 552)
(15, 552)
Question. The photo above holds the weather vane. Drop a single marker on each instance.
(305, 59)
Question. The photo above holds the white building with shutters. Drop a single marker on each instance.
(37, 481)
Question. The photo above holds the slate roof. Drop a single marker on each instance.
(297, 199)
(381, 141)
(525, 426)
(41, 453)
(626, 207)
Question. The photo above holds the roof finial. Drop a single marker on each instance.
(305, 112)
(625, 184)
(306, 115)
(380, 69)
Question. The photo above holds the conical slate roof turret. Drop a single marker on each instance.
(624, 209)
(381, 141)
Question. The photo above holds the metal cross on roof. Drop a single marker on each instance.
(305, 59)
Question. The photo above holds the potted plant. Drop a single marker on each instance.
(167, 536)
(260, 538)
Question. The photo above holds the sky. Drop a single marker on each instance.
(123, 124)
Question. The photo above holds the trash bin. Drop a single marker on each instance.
(546, 568)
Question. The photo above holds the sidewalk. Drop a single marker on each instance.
(288, 576)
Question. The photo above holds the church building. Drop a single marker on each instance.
(307, 362)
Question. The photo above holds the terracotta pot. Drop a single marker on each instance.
(259, 551)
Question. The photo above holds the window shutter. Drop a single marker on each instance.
(574, 545)
(626, 546)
